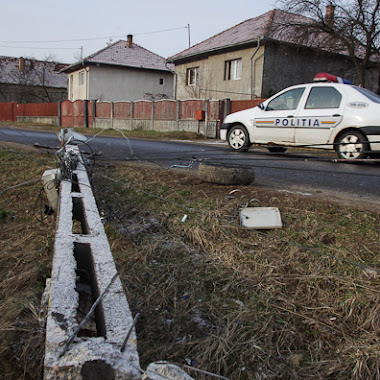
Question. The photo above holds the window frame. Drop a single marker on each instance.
(233, 69)
(192, 80)
(71, 86)
(82, 78)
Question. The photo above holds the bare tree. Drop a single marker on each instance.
(348, 26)
(33, 79)
(42, 73)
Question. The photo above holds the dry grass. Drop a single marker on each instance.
(25, 261)
(230, 301)
(238, 303)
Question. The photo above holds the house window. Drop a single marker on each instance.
(162, 81)
(81, 78)
(232, 69)
(192, 76)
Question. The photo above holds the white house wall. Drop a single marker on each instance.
(115, 84)
(211, 83)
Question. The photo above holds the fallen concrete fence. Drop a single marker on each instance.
(85, 284)
(83, 269)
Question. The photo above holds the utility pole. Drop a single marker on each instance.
(188, 31)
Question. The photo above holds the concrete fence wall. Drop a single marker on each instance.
(198, 116)
(193, 115)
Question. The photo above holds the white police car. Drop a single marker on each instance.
(324, 115)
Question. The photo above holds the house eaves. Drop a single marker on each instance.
(82, 64)
(217, 50)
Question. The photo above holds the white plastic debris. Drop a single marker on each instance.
(69, 136)
(165, 371)
(295, 192)
(260, 218)
(183, 220)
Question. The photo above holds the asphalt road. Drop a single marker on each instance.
(305, 172)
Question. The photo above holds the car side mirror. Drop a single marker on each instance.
(261, 106)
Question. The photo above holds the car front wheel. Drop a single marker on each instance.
(238, 138)
(352, 145)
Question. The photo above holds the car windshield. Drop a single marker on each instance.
(369, 94)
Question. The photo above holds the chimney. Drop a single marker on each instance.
(21, 64)
(129, 40)
(330, 13)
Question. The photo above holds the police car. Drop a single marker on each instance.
(330, 113)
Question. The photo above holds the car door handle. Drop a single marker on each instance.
(336, 115)
(289, 116)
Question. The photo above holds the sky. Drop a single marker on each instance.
(63, 30)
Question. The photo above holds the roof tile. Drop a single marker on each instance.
(36, 73)
(265, 26)
(120, 54)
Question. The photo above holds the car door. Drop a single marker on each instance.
(275, 122)
(321, 112)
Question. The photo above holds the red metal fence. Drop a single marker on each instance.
(81, 113)
(238, 105)
(8, 111)
(66, 113)
(165, 110)
(37, 109)
(122, 110)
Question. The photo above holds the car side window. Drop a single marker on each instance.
(287, 101)
(323, 97)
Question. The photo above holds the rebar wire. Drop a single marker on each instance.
(231, 159)
(88, 316)
(135, 319)
(20, 184)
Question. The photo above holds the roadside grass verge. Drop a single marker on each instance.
(25, 261)
(240, 303)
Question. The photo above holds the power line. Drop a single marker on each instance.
(93, 38)
(32, 47)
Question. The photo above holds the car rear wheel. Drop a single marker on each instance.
(238, 138)
(352, 145)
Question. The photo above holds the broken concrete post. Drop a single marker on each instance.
(83, 268)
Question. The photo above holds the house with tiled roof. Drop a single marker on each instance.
(25, 80)
(123, 71)
(255, 59)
